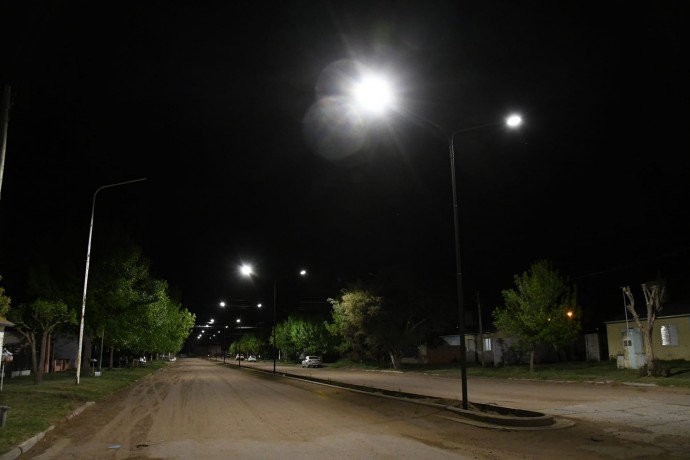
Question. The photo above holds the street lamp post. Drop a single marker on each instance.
(86, 273)
(239, 344)
(247, 270)
(275, 309)
(512, 121)
(224, 345)
(375, 98)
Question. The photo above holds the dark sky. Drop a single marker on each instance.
(211, 101)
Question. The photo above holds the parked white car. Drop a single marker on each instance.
(311, 361)
(251, 359)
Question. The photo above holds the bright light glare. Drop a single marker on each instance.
(374, 94)
(259, 305)
(302, 272)
(238, 320)
(222, 304)
(246, 270)
(514, 121)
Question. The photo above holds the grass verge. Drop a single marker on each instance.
(33, 408)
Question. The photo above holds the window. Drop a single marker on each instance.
(487, 344)
(669, 335)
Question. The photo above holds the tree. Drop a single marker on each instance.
(133, 311)
(353, 314)
(283, 338)
(247, 344)
(303, 335)
(541, 310)
(35, 322)
(371, 328)
(652, 297)
(119, 290)
(4, 301)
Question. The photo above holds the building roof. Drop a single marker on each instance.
(4, 322)
(667, 311)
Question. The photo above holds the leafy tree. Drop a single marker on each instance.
(249, 344)
(4, 301)
(374, 329)
(354, 314)
(283, 338)
(542, 309)
(303, 335)
(311, 337)
(35, 322)
(133, 311)
(118, 292)
(255, 345)
(652, 296)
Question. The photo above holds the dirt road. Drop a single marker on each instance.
(196, 409)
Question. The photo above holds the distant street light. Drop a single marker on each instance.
(86, 274)
(377, 86)
(514, 121)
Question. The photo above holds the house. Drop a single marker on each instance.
(670, 338)
(3, 324)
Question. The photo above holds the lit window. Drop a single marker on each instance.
(487, 344)
(669, 335)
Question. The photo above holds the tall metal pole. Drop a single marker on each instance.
(458, 266)
(480, 346)
(86, 273)
(275, 308)
(5, 117)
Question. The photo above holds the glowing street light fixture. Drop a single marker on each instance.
(246, 270)
(373, 93)
(222, 304)
(513, 121)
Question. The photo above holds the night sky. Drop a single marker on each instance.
(214, 103)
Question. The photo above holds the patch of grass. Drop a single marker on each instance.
(33, 408)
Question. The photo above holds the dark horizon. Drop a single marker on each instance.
(210, 103)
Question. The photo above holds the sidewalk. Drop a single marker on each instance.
(636, 412)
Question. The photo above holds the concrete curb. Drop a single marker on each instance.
(29, 443)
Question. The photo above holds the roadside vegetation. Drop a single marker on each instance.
(129, 310)
(34, 408)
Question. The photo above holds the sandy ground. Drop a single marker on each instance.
(196, 409)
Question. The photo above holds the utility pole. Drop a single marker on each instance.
(480, 346)
(5, 117)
